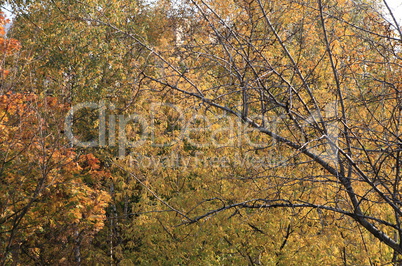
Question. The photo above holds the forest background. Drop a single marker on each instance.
(250, 132)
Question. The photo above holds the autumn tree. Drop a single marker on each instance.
(76, 60)
(321, 80)
(52, 203)
(51, 198)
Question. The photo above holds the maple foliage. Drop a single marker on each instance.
(49, 191)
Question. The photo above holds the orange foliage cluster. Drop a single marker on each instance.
(7, 46)
(59, 190)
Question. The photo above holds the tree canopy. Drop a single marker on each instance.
(256, 132)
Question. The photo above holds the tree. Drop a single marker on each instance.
(51, 201)
(101, 65)
(327, 74)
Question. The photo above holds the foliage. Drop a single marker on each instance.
(258, 132)
(53, 201)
